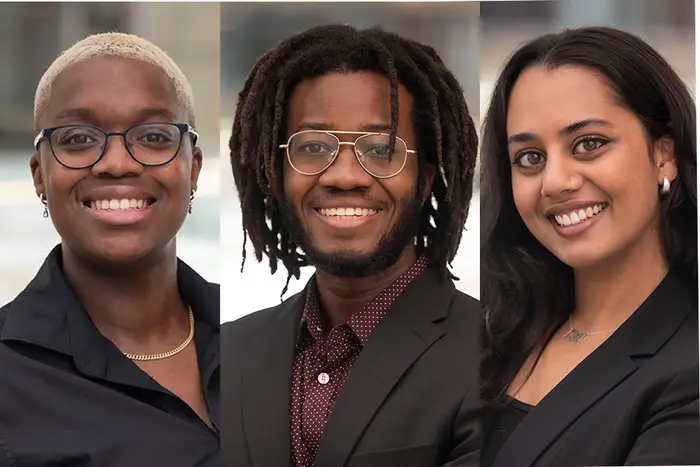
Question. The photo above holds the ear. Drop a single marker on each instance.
(196, 167)
(665, 159)
(428, 178)
(37, 174)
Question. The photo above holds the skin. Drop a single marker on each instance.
(619, 259)
(125, 276)
(351, 102)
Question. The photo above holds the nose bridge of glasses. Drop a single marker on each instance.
(122, 136)
(124, 150)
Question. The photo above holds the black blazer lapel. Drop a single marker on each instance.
(642, 335)
(407, 331)
(266, 388)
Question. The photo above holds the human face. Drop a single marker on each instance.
(356, 245)
(576, 154)
(114, 94)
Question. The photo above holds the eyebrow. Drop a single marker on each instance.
(324, 126)
(140, 115)
(567, 130)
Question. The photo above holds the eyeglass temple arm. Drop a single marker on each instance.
(37, 139)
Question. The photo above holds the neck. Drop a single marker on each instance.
(341, 297)
(609, 293)
(129, 302)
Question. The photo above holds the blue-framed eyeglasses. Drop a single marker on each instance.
(82, 146)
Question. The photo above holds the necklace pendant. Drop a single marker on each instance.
(573, 336)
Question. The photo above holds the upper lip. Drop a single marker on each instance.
(569, 206)
(117, 192)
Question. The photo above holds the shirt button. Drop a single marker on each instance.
(323, 378)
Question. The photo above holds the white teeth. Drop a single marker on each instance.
(575, 217)
(347, 212)
(118, 204)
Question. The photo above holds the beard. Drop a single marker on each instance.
(355, 264)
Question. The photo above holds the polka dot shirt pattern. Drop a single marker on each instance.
(324, 359)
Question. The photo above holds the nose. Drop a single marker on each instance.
(116, 161)
(560, 175)
(345, 173)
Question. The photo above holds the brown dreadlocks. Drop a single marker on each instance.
(446, 136)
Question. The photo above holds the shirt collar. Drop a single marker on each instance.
(362, 323)
(49, 314)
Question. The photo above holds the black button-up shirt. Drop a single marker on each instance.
(69, 397)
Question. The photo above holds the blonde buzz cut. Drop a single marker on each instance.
(118, 45)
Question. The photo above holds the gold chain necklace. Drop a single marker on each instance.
(170, 353)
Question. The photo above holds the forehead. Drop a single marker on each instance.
(552, 98)
(347, 99)
(109, 88)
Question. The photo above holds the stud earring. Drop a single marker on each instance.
(189, 209)
(665, 187)
(42, 197)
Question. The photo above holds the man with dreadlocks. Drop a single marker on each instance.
(354, 151)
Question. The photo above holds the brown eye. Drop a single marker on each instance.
(529, 160)
(589, 144)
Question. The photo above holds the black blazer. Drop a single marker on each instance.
(410, 400)
(633, 401)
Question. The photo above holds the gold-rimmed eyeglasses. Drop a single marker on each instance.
(311, 152)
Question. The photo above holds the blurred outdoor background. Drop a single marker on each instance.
(31, 37)
(668, 25)
(249, 30)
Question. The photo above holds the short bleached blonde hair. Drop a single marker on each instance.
(119, 45)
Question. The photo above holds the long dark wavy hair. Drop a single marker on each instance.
(526, 292)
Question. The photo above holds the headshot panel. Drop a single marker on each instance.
(248, 31)
(353, 148)
(35, 34)
(109, 329)
(589, 234)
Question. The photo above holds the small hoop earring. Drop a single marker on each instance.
(189, 209)
(666, 186)
(44, 201)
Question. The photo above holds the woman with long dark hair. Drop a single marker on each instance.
(589, 257)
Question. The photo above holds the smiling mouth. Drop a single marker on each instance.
(347, 212)
(577, 216)
(124, 204)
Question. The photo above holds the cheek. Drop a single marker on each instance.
(526, 195)
(59, 181)
(404, 185)
(637, 189)
(176, 178)
(296, 186)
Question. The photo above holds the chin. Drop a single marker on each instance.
(120, 251)
(581, 258)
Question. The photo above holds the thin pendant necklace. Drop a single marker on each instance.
(576, 336)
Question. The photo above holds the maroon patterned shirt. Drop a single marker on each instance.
(325, 357)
